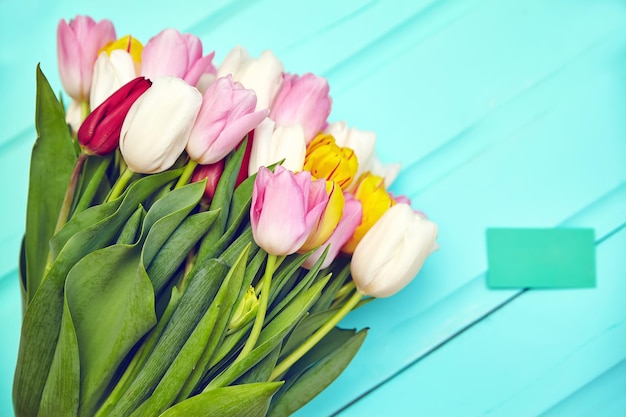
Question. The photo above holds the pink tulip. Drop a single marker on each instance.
(226, 115)
(350, 219)
(100, 132)
(173, 54)
(285, 208)
(303, 100)
(78, 44)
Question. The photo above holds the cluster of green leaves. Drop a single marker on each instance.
(130, 308)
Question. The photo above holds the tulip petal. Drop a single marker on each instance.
(165, 54)
(200, 67)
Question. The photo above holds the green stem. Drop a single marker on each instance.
(294, 356)
(93, 185)
(262, 308)
(120, 184)
(186, 175)
(84, 110)
(277, 262)
(70, 192)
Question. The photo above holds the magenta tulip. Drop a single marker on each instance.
(350, 219)
(100, 132)
(173, 54)
(226, 116)
(302, 100)
(285, 208)
(78, 44)
(212, 173)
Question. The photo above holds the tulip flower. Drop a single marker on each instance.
(74, 116)
(173, 54)
(375, 199)
(273, 144)
(285, 209)
(361, 142)
(329, 219)
(226, 115)
(325, 159)
(78, 44)
(263, 75)
(303, 100)
(392, 252)
(212, 173)
(388, 172)
(100, 132)
(350, 219)
(157, 127)
(109, 74)
(117, 64)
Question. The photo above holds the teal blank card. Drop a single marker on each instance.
(541, 258)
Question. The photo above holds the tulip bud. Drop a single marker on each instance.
(324, 159)
(285, 208)
(226, 116)
(329, 219)
(157, 126)
(78, 44)
(302, 100)
(100, 132)
(274, 145)
(350, 219)
(173, 54)
(263, 75)
(361, 142)
(392, 252)
(375, 199)
(244, 312)
(212, 173)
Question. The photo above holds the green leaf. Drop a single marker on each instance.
(199, 294)
(221, 200)
(111, 298)
(262, 371)
(93, 181)
(52, 162)
(316, 378)
(337, 281)
(306, 328)
(61, 394)
(250, 400)
(128, 235)
(175, 250)
(271, 336)
(42, 321)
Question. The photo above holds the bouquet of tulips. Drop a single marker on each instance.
(194, 235)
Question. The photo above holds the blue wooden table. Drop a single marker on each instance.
(502, 112)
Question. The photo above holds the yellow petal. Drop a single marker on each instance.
(328, 220)
(126, 43)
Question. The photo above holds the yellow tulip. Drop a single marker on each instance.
(328, 220)
(126, 43)
(375, 201)
(325, 159)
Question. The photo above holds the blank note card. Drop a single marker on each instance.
(541, 258)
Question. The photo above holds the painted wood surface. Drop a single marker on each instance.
(503, 114)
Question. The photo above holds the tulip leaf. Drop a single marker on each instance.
(262, 371)
(221, 200)
(61, 393)
(188, 362)
(306, 328)
(128, 234)
(198, 295)
(93, 181)
(176, 248)
(317, 377)
(271, 336)
(52, 162)
(42, 321)
(249, 400)
(337, 281)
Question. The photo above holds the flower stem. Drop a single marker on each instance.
(84, 110)
(120, 184)
(70, 192)
(346, 289)
(186, 175)
(262, 308)
(294, 356)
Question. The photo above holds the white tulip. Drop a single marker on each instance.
(109, 74)
(74, 115)
(388, 172)
(392, 252)
(263, 75)
(272, 144)
(157, 126)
